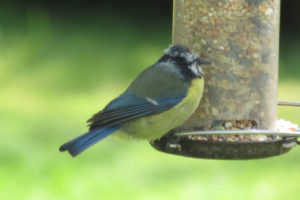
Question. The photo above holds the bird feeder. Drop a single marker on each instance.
(238, 110)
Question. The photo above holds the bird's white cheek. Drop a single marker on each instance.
(196, 69)
(193, 68)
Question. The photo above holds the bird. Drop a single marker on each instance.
(160, 99)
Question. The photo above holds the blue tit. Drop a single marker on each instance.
(161, 98)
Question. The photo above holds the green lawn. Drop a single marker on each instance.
(51, 83)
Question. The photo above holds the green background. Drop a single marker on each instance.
(54, 74)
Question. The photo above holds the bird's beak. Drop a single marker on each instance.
(202, 61)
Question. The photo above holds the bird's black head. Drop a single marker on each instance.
(182, 60)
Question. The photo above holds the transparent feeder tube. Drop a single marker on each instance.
(241, 38)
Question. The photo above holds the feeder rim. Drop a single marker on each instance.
(295, 133)
(288, 103)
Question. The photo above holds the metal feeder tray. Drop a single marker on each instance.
(181, 144)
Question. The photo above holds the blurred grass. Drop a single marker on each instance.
(53, 78)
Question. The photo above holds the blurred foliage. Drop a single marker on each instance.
(54, 75)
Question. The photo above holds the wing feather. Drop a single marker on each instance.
(124, 113)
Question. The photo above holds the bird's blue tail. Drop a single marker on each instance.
(81, 143)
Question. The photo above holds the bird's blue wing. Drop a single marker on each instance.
(128, 107)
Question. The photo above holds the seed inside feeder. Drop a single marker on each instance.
(281, 125)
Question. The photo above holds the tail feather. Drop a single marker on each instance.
(82, 142)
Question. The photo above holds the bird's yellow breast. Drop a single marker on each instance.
(154, 126)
